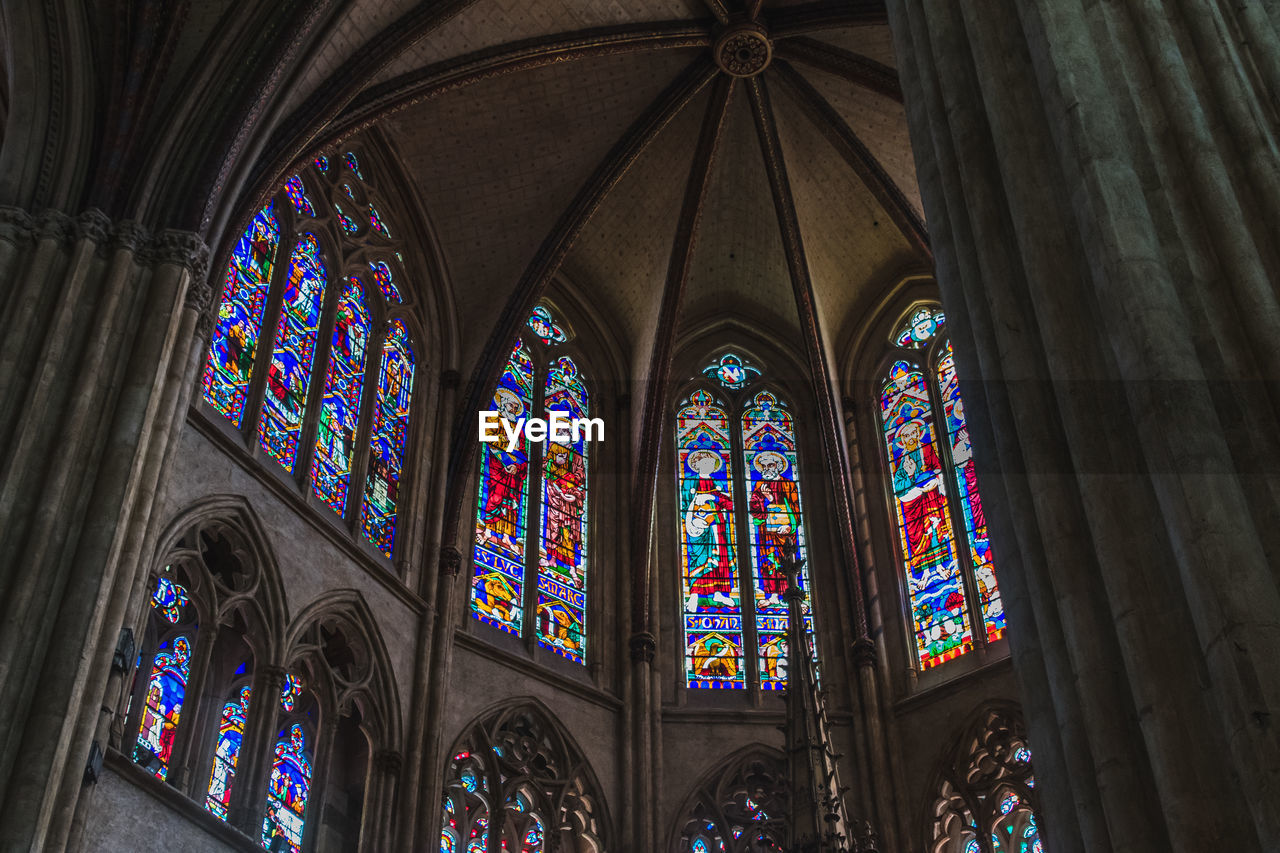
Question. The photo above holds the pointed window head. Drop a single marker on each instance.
(545, 327)
(732, 371)
(920, 326)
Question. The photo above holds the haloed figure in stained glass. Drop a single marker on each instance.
(713, 580)
(508, 472)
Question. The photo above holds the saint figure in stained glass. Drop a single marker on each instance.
(227, 753)
(502, 504)
(340, 406)
(711, 592)
(924, 520)
(166, 691)
(289, 374)
(545, 327)
(562, 562)
(234, 343)
(387, 439)
(287, 792)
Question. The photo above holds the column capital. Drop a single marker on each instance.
(864, 652)
(388, 762)
(450, 561)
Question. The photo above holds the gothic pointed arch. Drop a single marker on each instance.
(984, 794)
(738, 806)
(516, 779)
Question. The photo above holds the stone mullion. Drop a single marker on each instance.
(248, 805)
(322, 761)
(379, 802)
(196, 702)
(533, 511)
(745, 561)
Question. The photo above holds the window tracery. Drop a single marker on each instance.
(316, 317)
(950, 575)
(739, 808)
(986, 799)
(723, 514)
(548, 483)
(514, 775)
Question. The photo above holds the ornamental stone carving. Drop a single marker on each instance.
(743, 50)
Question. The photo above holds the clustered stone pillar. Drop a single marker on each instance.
(101, 322)
(1103, 189)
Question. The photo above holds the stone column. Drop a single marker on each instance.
(1101, 195)
(248, 804)
(96, 315)
(376, 828)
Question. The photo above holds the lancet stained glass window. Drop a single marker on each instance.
(562, 557)
(777, 527)
(546, 483)
(768, 521)
(497, 592)
(227, 753)
(289, 375)
(340, 406)
(390, 429)
(711, 590)
(323, 339)
(234, 343)
(941, 526)
(288, 790)
(166, 691)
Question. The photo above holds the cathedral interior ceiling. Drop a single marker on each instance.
(497, 160)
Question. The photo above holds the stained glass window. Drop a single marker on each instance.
(348, 192)
(340, 406)
(732, 371)
(562, 557)
(928, 547)
(776, 525)
(289, 374)
(497, 591)
(387, 438)
(942, 527)
(227, 753)
(382, 275)
(290, 692)
(348, 224)
(547, 329)
(966, 479)
(920, 327)
(322, 163)
(711, 592)
(166, 690)
(234, 343)
(376, 221)
(298, 195)
(353, 164)
(288, 790)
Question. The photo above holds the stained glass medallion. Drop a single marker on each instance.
(378, 225)
(387, 439)
(290, 692)
(353, 164)
(322, 163)
(776, 526)
(545, 327)
(711, 593)
(920, 327)
(497, 590)
(348, 224)
(928, 547)
(289, 374)
(233, 346)
(562, 560)
(732, 371)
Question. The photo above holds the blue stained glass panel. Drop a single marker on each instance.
(340, 406)
(387, 439)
